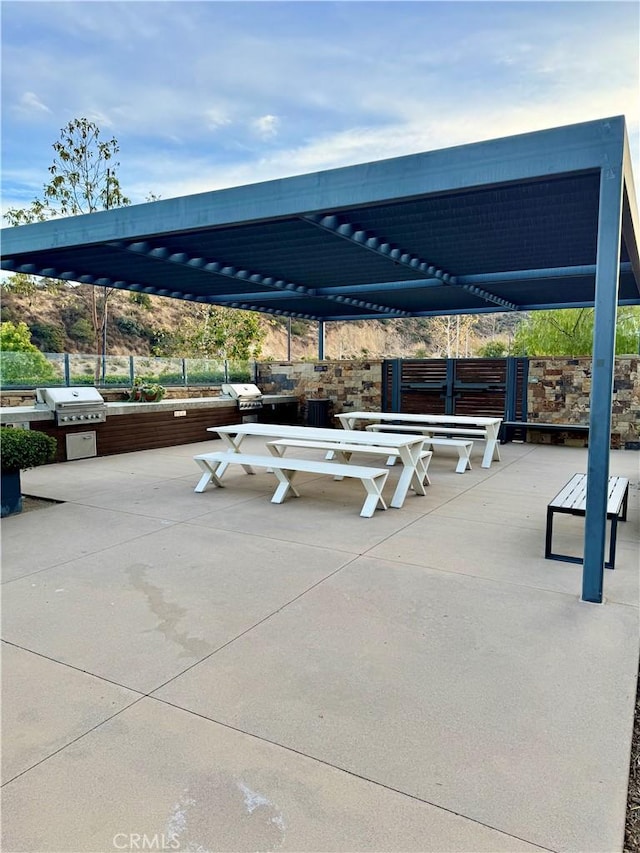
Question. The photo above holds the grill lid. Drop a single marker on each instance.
(241, 391)
(57, 398)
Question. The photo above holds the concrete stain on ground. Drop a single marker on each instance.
(168, 613)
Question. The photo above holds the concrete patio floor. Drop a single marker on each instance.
(213, 672)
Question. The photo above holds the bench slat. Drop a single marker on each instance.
(617, 489)
(289, 463)
(572, 498)
(427, 430)
(333, 447)
(373, 479)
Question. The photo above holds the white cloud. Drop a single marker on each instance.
(216, 117)
(266, 127)
(424, 132)
(190, 118)
(31, 103)
(99, 117)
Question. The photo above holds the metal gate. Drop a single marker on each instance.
(492, 387)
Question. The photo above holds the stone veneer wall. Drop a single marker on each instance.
(355, 385)
(559, 391)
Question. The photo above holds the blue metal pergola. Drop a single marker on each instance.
(537, 221)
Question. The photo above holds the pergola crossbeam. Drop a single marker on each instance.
(235, 300)
(384, 248)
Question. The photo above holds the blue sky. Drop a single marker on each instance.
(204, 95)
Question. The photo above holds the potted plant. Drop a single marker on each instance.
(21, 449)
(143, 391)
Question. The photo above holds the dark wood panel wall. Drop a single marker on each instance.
(146, 431)
(455, 386)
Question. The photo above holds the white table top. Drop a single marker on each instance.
(339, 436)
(460, 420)
(409, 446)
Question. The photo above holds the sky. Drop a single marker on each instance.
(206, 95)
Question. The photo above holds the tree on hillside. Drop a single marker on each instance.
(569, 331)
(83, 180)
(492, 349)
(28, 285)
(213, 331)
(451, 336)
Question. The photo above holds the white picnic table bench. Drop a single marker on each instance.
(409, 449)
(285, 468)
(452, 427)
(571, 500)
(343, 452)
(464, 446)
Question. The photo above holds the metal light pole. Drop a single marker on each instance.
(104, 307)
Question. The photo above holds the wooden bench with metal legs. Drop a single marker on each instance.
(571, 500)
(285, 468)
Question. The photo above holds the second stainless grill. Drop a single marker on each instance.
(248, 396)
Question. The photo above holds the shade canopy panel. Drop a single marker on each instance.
(505, 225)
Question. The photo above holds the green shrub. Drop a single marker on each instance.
(240, 375)
(25, 448)
(130, 326)
(26, 368)
(70, 313)
(81, 330)
(299, 328)
(207, 377)
(47, 337)
(116, 379)
(141, 299)
(9, 314)
(493, 349)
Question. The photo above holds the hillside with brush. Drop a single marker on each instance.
(59, 319)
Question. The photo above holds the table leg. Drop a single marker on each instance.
(284, 485)
(421, 468)
(464, 461)
(374, 495)
(492, 450)
(233, 444)
(209, 473)
(346, 422)
(410, 457)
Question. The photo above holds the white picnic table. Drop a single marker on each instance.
(486, 428)
(409, 447)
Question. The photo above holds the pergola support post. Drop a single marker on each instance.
(602, 366)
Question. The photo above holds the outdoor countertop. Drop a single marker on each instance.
(39, 412)
(24, 414)
(190, 403)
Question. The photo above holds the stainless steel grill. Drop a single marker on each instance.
(248, 396)
(75, 406)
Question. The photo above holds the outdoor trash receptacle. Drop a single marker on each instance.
(318, 412)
